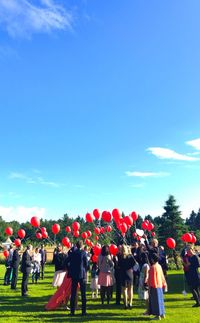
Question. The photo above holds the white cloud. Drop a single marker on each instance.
(146, 174)
(165, 153)
(21, 213)
(23, 17)
(35, 180)
(194, 143)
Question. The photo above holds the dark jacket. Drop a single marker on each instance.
(78, 264)
(43, 256)
(26, 263)
(15, 259)
(59, 261)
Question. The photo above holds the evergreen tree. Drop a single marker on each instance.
(191, 222)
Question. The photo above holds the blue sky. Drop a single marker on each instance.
(99, 106)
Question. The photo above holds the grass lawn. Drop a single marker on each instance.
(14, 308)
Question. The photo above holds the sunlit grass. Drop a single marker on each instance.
(14, 308)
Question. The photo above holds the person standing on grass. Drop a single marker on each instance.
(106, 277)
(116, 260)
(78, 264)
(143, 288)
(156, 284)
(26, 269)
(43, 253)
(126, 264)
(15, 267)
(8, 273)
(36, 259)
(193, 275)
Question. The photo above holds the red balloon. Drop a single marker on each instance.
(94, 258)
(97, 250)
(21, 233)
(9, 231)
(194, 239)
(76, 226)
(6, 253)
(134, 234)
(17, 242)
(55, 228)
(188, 237)
(153, 234)
(102, 230)
(89, 233)
(43, 229)
(150, 226)
(96, 238)
(45, 235)
(68, 229)
(76, 234)
(113, 249)
(171, 243)
(106, 216)
(108, 228)
(38, 235)
(84, 235)
(88, 242)
(128, 220)
(35, 221)
(116, 214)
(123, 227)
(89, 217)
(65, 241)
(145, 225)
(96, 214)
(134, 216)
(97, 230)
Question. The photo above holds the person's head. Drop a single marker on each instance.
(144, 259)
(161, 248)
(135, 244)
(29, 248)
(105, 250)
(36, 250)
(119, 249)
(42, 246)
(190, 251)
(125, 251)
(154, 258)
(59, 247)
(79, 244)
(154, 243)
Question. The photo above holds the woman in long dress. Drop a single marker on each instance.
(156, 285)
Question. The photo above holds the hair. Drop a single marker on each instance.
(125, 251)
(37, 249)
(79, 244)
(155, 242)
(105, 250)
(154, 258)
(29, 247)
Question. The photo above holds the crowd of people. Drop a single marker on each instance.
(142, 267)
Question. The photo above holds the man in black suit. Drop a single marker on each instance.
(26, 269)
(78, 263)
(15, 266)
(43, 259)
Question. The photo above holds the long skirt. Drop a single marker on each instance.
(61, 296)
(156, 302)
(58, 278)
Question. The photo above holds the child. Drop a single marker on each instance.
(94, 280)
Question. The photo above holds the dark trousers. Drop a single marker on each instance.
(196, 293)
(25, 283)
(82, 283)
(14, 278)
(7, 277)
(42, 270)
(118, 289)
(105, 291)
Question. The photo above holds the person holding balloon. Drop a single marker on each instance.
(106, 277)
(8, 273)
(26, 269)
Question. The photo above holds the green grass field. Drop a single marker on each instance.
(14, 308)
